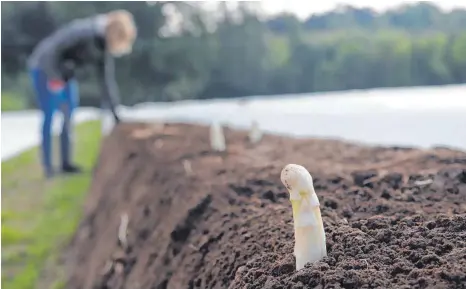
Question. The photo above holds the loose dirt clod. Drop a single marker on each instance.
(229, 225)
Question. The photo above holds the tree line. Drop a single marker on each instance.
(235, 51)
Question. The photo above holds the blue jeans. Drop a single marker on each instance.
(66, 100)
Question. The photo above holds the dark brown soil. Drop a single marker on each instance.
(228, 224)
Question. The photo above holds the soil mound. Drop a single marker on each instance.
(379, 252)
(394, 217)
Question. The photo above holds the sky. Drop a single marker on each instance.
(303, 8)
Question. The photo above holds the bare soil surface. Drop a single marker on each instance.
(394, 217)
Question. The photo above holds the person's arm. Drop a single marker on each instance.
(106, 72)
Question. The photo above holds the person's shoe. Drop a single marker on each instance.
(71, 169)
(49, 174)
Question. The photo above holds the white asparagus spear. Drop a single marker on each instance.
(255, 134)
(309, 231)
(123, 230)
(217, 138)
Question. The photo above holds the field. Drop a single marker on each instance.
(12, 102)
(38, 216)
(394, 217)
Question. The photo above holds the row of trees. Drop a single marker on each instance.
(234, 52)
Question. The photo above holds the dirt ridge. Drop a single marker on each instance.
(394, 217)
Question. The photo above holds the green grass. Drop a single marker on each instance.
(12, 102)
(39, 216)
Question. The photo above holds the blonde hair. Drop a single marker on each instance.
(120, 32)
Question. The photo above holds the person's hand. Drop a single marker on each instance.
(56, 85)
(117, 118)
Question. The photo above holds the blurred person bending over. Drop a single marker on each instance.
(53, 63)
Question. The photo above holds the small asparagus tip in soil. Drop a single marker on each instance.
(310, 245)
(255, 134)
(122, 230)
(423, 183)
(187, 167)
(217, 139)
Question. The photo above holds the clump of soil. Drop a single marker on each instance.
(394, 217)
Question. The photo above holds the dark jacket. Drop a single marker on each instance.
(79, 43)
